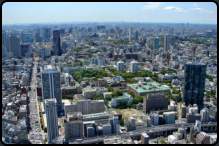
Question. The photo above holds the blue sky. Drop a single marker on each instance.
(168, 12)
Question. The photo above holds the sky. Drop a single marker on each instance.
(164, 12)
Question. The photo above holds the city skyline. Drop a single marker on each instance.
(149, 12)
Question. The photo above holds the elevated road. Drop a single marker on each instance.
(148, 130)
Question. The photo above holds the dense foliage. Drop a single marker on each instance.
(98, 73)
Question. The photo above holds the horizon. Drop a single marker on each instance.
(106, 12)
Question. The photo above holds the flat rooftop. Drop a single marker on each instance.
(159, 88)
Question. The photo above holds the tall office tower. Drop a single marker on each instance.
(144, 138)
(130, 33)
(24, 49)
(167, 42)
(133, 66)
(194, 83)
(46, 34)
(62, 31)
(156, 43)
(51, 119)
(56, 43)
(14, 46)
(70, 30)
(204, 115)
(37, 35)
(51, 84)
(120, 66)
(136, 35)
(4, 38)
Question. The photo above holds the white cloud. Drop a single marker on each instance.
(173, 8)
(152, 5)
(202, 10)
(185, 11)
(195, 5)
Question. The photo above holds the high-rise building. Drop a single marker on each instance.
(130, 33)
(51, 119)
(169, 117)
(204, 115)
(24, 49)
(120, 66)
(37, 35)
(194, 84)
(56, 43)
(156, 43)
(136, 35)
(133, 66)
(116, 124)
(144, 138)
(51, 84)
(62, 31)
(14, 46)
(27, 37)
(154, 119)
(4, 38)
(167, 42)
(46, 34)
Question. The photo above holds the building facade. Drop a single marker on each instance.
(51, 84)
(56, 43)
(167, 42)
(194, 84)
(51, 119)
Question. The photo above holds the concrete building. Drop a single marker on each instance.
(167, 42)
(86, 125)
(90, 92)
(14, 46)
(183, 111)
(154, 119)
(156, 101)
(213, 113)
(85, 106)
(27, 37)
(136, 35)
(116, 125)
(142, 88)
(169, 117)
(194, 84)
(46, 34)
(51, 84)
(106, 129)
(204, 115)
(120, 66)
(192, 117)
(73, 126)
(133, 66)
(144, 138)
(51, 119)
(202, 138)
(130, 33)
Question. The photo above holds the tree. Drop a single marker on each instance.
(118, 93)
(109, 97)
(124, 103)
(129, 105)
(132, 94)
(119, 103)
(121, 122)
(45, 129)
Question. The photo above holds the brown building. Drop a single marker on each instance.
(155, 101)
(144, 138)
(39, 91)
(71, 90)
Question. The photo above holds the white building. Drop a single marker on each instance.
(90, 92)
(120, 66)
(51, 84)
(51, 119)
(133, 66)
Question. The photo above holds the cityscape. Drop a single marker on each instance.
(109, 73)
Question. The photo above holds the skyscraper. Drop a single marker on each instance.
(51, 84)
(194, 84)
(204, 115)
(14, 46)
(120, 66)
(167, 42)
(46, 34)
(133, 66)
(156, 43)
(56, 43)
(130, 33)
(136, 35)
(37, 35)
(51, 119)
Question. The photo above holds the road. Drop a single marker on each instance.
(138, 132)
(36, 134)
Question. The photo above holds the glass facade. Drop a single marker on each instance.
(194, 84)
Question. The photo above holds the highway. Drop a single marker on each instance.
(138, 132)
(36, 134)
